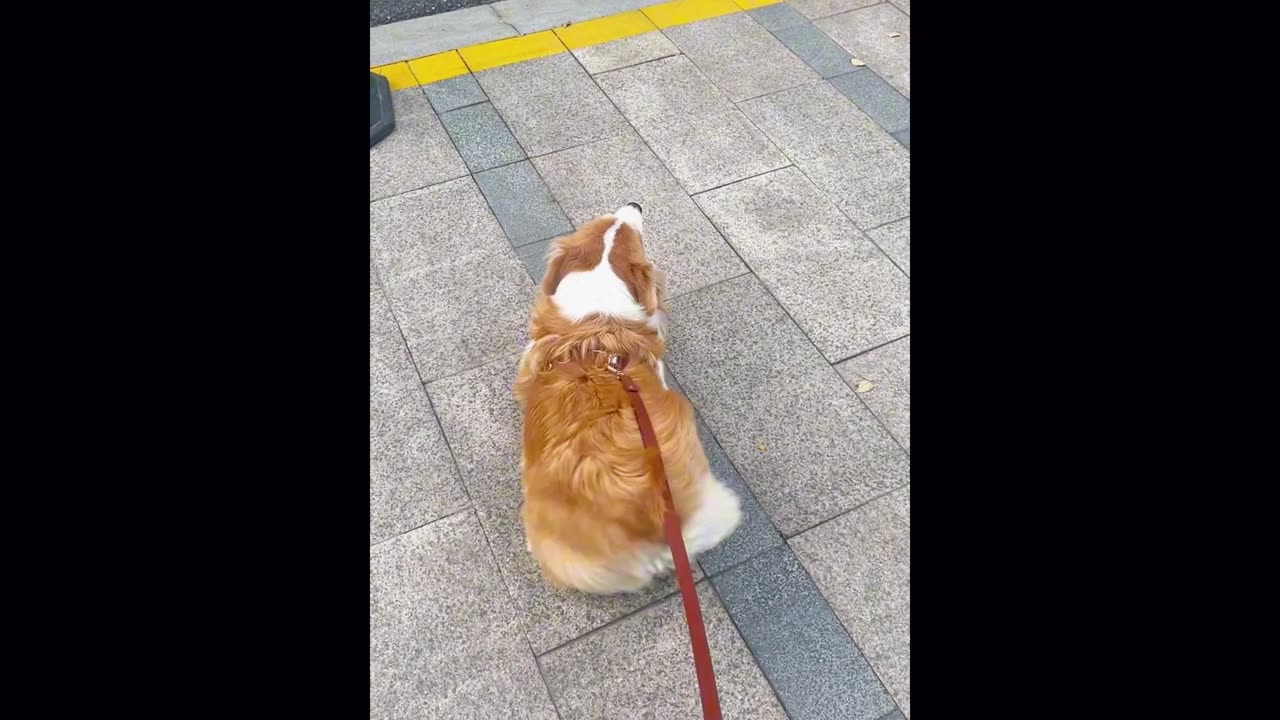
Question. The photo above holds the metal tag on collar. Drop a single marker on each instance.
(617, 363)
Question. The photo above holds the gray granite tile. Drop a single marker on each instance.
(627, 51)
(691, 126)
(895, 715)
(838, 286)
(524, 206)
(483, 424)
(814, 666)
(739, 56)
(904, 137)
(551, 104)
(528, 16)
(820, 52)
(853, 160)
(777, 16)
(416, 154)
(433, 34)
(903, 5)
(453, 93)
(895, 239)
(443, 640)
(876, 98)
(868, 34)
(481, 136)
(642, 667)
(795, 431)
(822, 8)
(452, 278)
(412, 480)
(888, 370)
(862, 564)
(678, 238)
(373, 271)
(534, 257)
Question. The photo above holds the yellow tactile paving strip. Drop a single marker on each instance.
(442, 66)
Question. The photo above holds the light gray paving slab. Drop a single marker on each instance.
(777, 16)
(903, 5)
(627, 51)
(795, 431)
(433, 34)
(454, 282)
(678, 238)
(642, 667)
(740, 56)
(416, 154)
(443, 640)
(904, 137)
(481, 137)
(895, 715)
(524, 206)
(876, 98)
(482, 422)
(533, 15)
(868, 33)
(820, 52)
(551, 104)
(888, 371)
(691, 126)
(862, 564)
(412, 480)
(815, 668)
(534, 257)
(837, 285)
(822, 8)
(453, 93)
(756, 533)
(895, 239)
(853, 160)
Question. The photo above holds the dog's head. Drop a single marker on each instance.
(602, 269)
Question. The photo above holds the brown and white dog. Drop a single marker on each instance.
(592, 502)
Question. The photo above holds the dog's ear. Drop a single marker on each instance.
(643, 284)
(558, 262)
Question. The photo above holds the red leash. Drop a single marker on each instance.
(675, 538)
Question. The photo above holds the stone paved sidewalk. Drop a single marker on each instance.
(775, 177)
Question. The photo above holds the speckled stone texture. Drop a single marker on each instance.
(777, 16)
(820, 52)
(842, 150)
(904, 137)
(454, 282)
(416, 154)
(814, 666)
(642, 667)
(625, 52)
(822, 8)
(895, 240)
(690, 125)
(888, 369)
(903, 5)
(481, 137)
(678, 238)
(876, 98)
(740, 56)
(453, 93)
(756, 533)
(482, 422)
(862, 564)
(801, 439)
(866, 34)
(551, 104)
(844, 293)
(412, 480)
(534, 257)
(443, 641)
(524, 206)
(422, 36)
(528, 16)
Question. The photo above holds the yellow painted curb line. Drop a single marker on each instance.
(602, 30)
(442, 66)
(680, 12)
(511, 50)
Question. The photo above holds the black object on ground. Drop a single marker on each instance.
(382, 118)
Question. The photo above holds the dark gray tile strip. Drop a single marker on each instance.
(525, 208)
(820, 52)
(876, 98)
(481, 136)
(813, 665)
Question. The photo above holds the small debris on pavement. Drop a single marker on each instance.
(865, 386)
(857, 62)
(895, 34)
